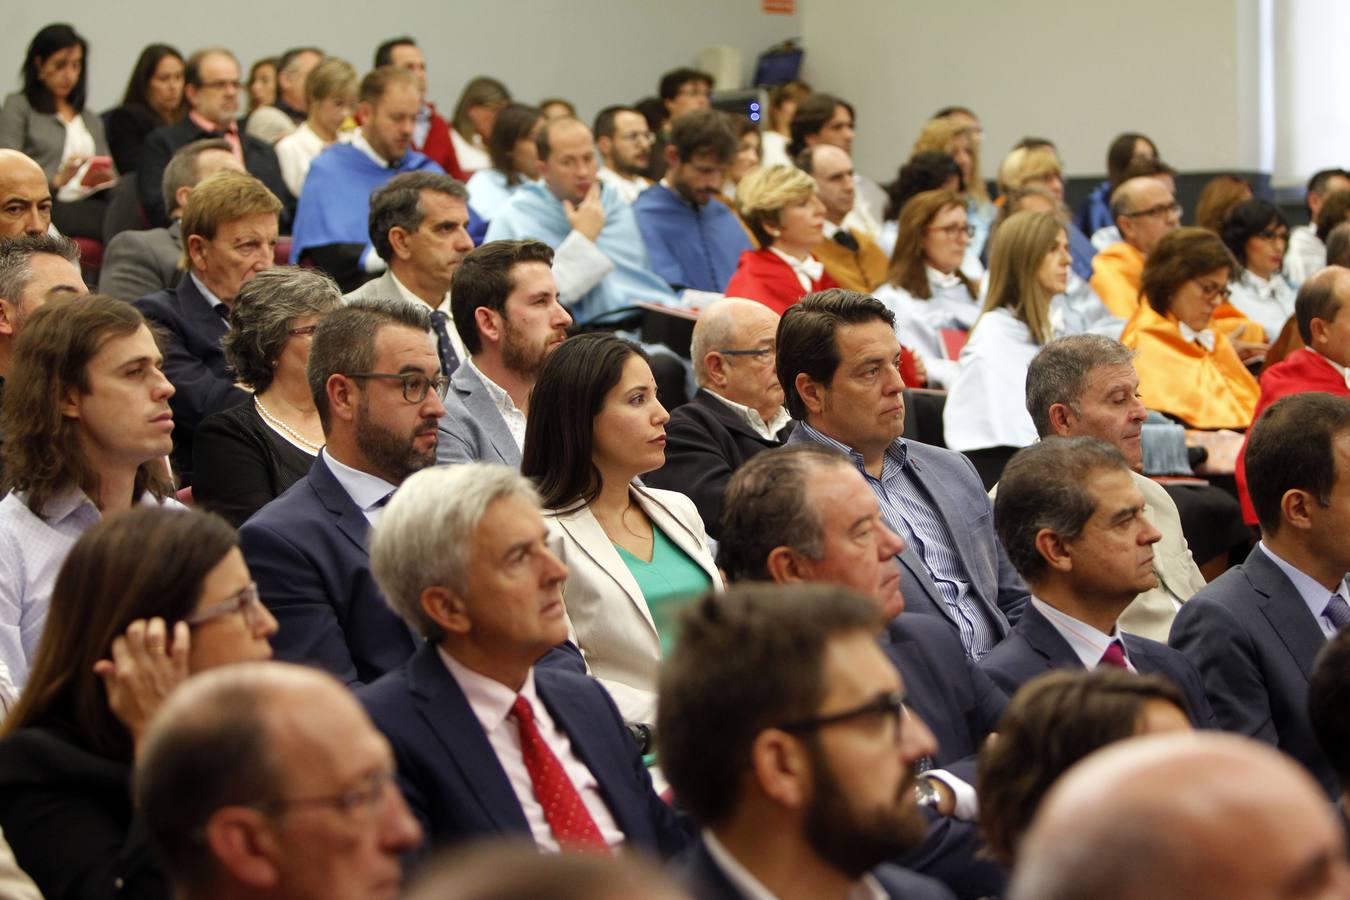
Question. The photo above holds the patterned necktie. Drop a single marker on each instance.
(444, 348)
(1114, 656)
(1337, 611)
(567, 816)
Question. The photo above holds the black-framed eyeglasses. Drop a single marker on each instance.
(1210, 291)
(1161, 209)
(302, 330)
(890, 705)
(246, 601)
(955, 231)
(360, 801)
(759, 353)
(415, 384)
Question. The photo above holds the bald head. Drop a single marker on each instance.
(1190, 817)
(832, 168)
(1144, 210)
(747, 378)
(25, 199)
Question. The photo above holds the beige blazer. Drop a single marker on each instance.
(608, 617)
(1152, 612)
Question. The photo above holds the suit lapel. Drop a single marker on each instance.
(583, 528)
(474, 394)
(1042, 637)
(198, 311)
(351, 521)
(679, 533)
(1283, 606)
(446, 711)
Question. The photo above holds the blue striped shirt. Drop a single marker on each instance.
(908, 510)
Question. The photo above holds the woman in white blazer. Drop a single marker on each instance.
(986, 412)
(635, 555)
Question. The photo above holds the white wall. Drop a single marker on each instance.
(1181, 71)
(1312, 118)
(593, 52)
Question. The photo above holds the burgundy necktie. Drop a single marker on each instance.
(567, 815)
(1114, 656)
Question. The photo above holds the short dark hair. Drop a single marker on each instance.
(514, 123)
(398, 204)
(377, 82)
(765, 506)
(927, 171)
(812, 114)
(672, 81)
(485, 278)
(182, 168)
(384, 54)
(1245, 221)
(1044, 486)
(1317, 184)
(192, 67)
(49, 40)
(1329, 703)
(605, 120)
(1335, 210)
(1060, 371)
(806, 337)
(288, 57)
(1053, 721)
(703, 131)
(1316, 299)
(344, 342)
(748, 659)
(1290, 448)
(1121, 152)
(560, 429)
(1180, 255)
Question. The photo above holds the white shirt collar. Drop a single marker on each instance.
(767, 430)
(360, 143)
(1340, 370)
(444, 306)
(1088, 644)
(365, 489)
(865, 888)
(940, 281)
(206, 292)
(1313, 594)
(490, 700)
(807, 270)
(1205, 337)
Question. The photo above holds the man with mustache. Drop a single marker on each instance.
(803, 775)
(507, 314)
(377, 384)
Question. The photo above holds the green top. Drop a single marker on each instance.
(667, 583)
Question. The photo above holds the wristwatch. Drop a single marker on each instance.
(926, 793)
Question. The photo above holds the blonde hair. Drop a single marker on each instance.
(764, 193)
(224, 197)
(1015, 258)
(331, 78)
(938, 135)
(908, 265)
(1026, 164)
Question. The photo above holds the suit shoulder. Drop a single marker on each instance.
(385, 693)
(159, 304)
(903, 884)
(298, 503)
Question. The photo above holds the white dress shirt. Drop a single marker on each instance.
(987, 402)
(626, 186)
(1306, 256)
(469, 154)
(808, 270)
(1313, 594)
(1269, 302)
(919, 323)
(767, 430)
(367, 491)
(515, 419)
(750, 887)
(491, 702)
(211, 298)
(444, 306)
(1204, 337)
(1340, 369)
(297, 150)
(1088, 643)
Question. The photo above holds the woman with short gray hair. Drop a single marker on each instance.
(245, 456)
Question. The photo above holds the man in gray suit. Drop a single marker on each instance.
(839, 364)
(418, 226)
(509, 318)
(138, 263)
(1255, 631)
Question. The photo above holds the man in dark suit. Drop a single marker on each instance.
(488, 743)
(141, 262)
(377, 385)
(737, 412)
(229, 235)
(1072, 521)
(1329, 712)
(839, 365)
(1255, 631)
(507, 314)
(783, 730)
(212, 87)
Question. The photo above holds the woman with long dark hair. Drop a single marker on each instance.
(154, 97)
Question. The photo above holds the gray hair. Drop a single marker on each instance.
(345, 341)
(1045, 487)
(182, 170)
(262, 316)
(397, 204)
(1059, 373)
(1338, 245)
(715, 328)
(425, 535)
(16, 262)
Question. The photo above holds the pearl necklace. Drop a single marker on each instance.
(277, 423)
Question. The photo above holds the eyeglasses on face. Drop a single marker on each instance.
(1209, 290)
(302, 330)
(1161, 209)
(246, 601)
(890, 706)
(223, 84)
(759, 354)
(359, 802)
(415, 384)
(955, 231)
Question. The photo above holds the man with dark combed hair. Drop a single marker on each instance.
(1307, 253)
(680, 91)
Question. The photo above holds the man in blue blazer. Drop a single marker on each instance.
(1255, 631)
(839, 365)
(376, 381)
(505, 304)
(488, 743)
(229, 233)
(1073, 523)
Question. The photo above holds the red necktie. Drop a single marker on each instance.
(567, 816)
(1114, 656)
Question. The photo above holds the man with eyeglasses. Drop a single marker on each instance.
(681, 91)
(625, 143)
(737, 411)
(850, 255)
(1144, 210)
(213, 91)
(803, 776)
(489, 740)
(229, 234)
(378, 387)
(267, 780)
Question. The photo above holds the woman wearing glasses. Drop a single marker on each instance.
(247, 455)
(1257, 234)
(635, 555)
(925, 286)
(986, 412)
(126, 626)
(1188, 369)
